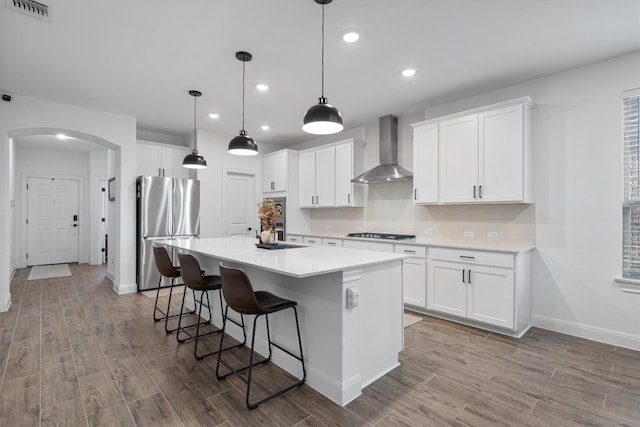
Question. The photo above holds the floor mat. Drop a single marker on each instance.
(410, 319)
(49, 271)
(164, 292)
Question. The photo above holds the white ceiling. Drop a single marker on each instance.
(139, 58)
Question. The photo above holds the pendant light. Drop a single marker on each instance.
(194, 160)
(243, 144)
(322, 118)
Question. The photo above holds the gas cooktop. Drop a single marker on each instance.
(387, 236)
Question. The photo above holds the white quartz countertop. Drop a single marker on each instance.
(454, 244)
(302, 261)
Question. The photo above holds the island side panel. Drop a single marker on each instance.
(344, 349)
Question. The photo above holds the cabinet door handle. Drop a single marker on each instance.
(467, 257)
(159, 171)
(480, 192)
(463, 275)
(415, 194)
(349, 198)
(317, 198)
(474, 192)
(312, 200)
(469, 276)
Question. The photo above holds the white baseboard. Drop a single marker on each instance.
(594, 333)
(122, 289)
(5, 304)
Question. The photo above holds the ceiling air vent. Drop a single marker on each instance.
(29, 7)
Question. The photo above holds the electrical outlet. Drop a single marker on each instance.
(493, 234)
(428, 231)
(469, 234)
(352, 297)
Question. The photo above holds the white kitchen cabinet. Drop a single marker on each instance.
(483, 156)
(274, 171)
(161, 160)
(311, 240)
(487, 287)
(318, 178)
(414, 274)
(425, 164)
(459, 159)
(335, 243)
(326, 172)
(349, 163)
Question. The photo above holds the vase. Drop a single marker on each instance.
(265, 236)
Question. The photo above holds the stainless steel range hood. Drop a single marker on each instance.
(388, 170)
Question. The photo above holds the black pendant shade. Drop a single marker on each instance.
(243, 144)
(194, 160)
(322, 118)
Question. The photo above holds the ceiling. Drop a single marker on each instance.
(140, 58)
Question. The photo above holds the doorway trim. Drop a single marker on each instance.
(24, 244)
(225, 195)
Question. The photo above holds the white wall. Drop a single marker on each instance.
(28, 116)
(213, 147)
(577, 149)
(576, 221)
(41, 162)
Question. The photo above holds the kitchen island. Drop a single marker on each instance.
(345, 349)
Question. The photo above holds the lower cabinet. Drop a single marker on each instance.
(480, 286)
(414, 274)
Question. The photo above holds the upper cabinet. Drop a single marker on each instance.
(274, 171)
(326, 173)
(425, 163)
(478, 156)
(161, 160)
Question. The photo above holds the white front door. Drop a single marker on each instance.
(52, 215)
(241, 208)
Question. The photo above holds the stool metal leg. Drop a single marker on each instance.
(155, 307)
(251, 365)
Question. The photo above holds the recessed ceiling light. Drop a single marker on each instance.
(264, 127)
(262, 87)
(408, 72)
(350, 37)
(214, 116)
(62, 136)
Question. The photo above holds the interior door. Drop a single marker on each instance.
(52, 221)
(241, 208)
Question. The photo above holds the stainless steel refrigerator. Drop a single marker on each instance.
(166, 208)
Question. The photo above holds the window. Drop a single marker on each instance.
(631, 204)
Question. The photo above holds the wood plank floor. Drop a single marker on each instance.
(74, 353)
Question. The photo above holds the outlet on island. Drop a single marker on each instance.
(469, 234)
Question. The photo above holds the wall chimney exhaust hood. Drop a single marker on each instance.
(388, 170)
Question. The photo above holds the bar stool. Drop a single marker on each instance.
(195, 279)
(240, 296)
(166, 269)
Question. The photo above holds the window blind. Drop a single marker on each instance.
(631, 205)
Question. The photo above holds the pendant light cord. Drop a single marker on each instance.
(322, 89)
(243, 72)
(195, 125)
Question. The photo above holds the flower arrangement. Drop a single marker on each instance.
(268, 212)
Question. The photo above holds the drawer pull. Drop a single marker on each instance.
(467, 257)
(409, 252)
(331, 243)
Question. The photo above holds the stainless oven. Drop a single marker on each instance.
(281, 224)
